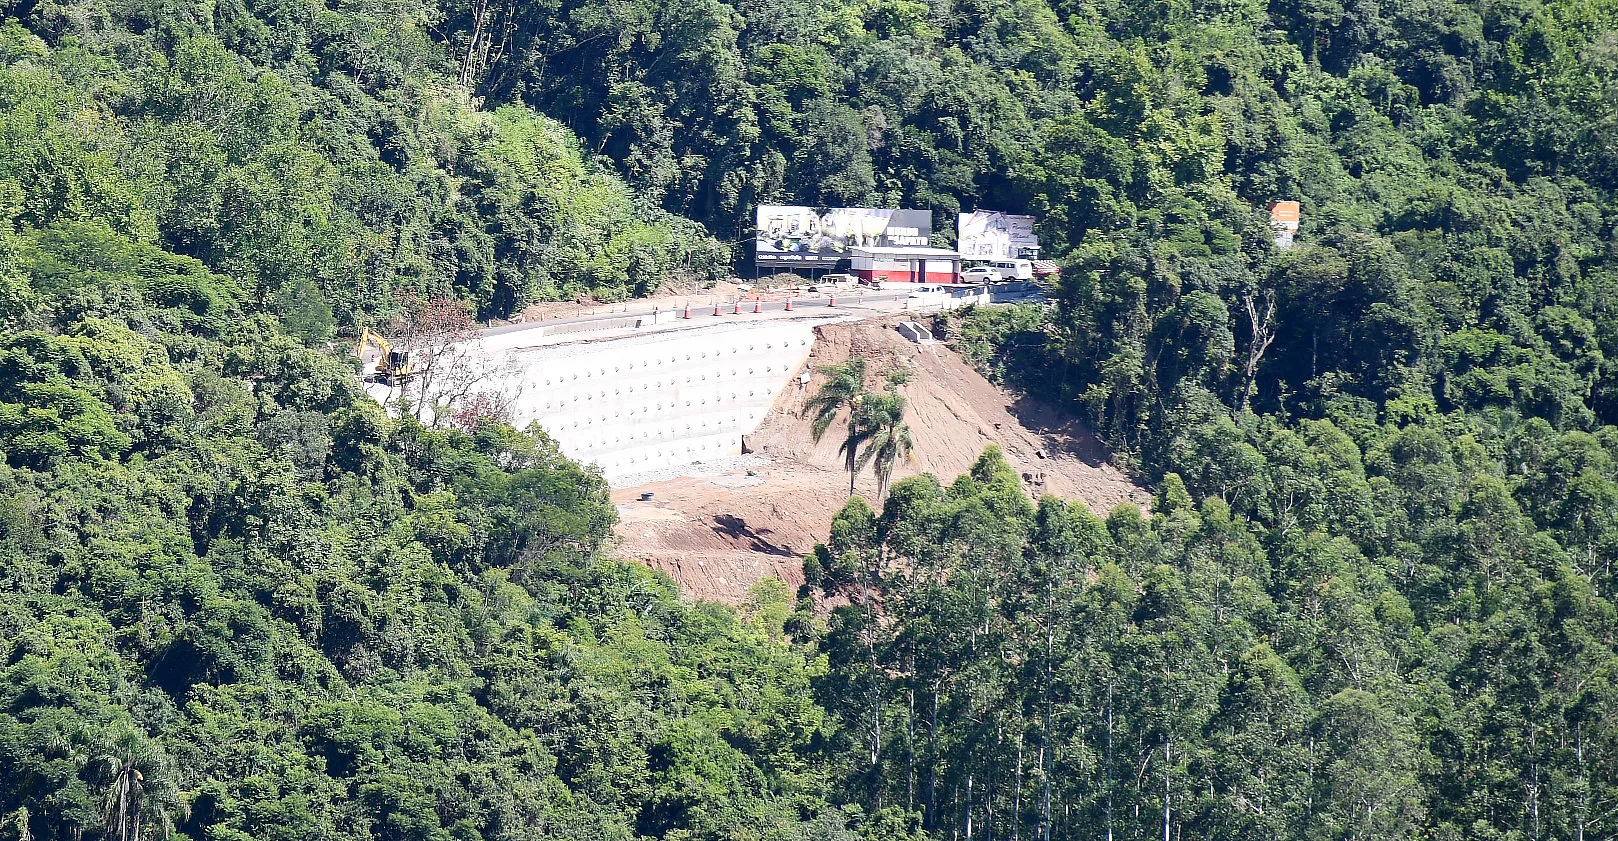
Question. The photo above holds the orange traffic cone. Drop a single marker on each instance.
(688, 310)
(758, 305)
(789, 303)
(833, 301)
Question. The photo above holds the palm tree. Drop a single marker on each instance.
(886, 436)
(844, 388)
(858, 432)
(140, 790)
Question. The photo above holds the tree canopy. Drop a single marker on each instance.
(1373, 598)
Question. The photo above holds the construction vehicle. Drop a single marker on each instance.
(379, 362)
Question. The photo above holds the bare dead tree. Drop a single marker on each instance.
(480, 19)
(19, 820)
(447, 362)
(480, 407)
(484, 49)
(1263, 327)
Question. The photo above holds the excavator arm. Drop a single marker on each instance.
(379, 361)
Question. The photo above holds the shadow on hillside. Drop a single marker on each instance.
(1064, 433)
(736, 528)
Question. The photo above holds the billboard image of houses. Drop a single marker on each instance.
(790, 236)
(991, 235)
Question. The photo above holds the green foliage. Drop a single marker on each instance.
(238, 601)
(1376, 641)
(1373, 599)
(319, 173)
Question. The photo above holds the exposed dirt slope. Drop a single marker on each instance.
(719, 535)
(954, 414)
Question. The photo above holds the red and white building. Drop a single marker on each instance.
(907, 264)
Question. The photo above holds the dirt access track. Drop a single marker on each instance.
(719, 534)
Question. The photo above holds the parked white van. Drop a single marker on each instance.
(1014, 269)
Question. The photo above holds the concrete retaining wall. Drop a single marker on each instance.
(915, 331)
(565, 328)
(655, 401)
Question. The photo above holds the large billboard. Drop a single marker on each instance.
(816, 238)
(991, 235)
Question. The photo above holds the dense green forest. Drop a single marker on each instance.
(241, 603)
(1374, 598)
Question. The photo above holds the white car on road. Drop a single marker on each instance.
(980, 274)
(1014, 269)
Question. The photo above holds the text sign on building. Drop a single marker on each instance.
(818, 237)
(991, 235)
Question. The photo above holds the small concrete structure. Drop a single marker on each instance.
(916, 332)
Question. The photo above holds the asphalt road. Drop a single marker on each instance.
(727, 309)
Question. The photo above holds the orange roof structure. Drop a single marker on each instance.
(1285, 213)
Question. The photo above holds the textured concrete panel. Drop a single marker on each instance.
(654, 401)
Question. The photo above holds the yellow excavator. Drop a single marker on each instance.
(379, 362)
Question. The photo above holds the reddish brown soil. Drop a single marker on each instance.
(720, 535)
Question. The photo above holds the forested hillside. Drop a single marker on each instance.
(320, 159)
(238, 602)
(1373, 599)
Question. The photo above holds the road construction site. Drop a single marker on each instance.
(692, 411)
(720, 527)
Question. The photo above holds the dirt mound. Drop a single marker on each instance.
(954, 413)
(719, 535)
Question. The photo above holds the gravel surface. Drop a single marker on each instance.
(696, 470)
